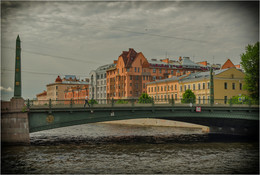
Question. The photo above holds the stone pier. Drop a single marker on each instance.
(14, 122)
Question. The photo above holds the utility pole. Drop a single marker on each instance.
(211, 86)
(17, 78)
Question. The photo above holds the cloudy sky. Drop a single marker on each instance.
(64, 38)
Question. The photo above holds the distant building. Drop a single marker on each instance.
(98, 83)
(128, 77)
(229, 64)
(77, 94)
(56, 90)
(227, 83)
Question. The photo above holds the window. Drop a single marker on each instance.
(188, 86)
(122, 70)
(175, 96)
(160, 77)
(135, 69)
(154, 70)
(130, 92)
(199, 86)
(128, 69)
(180, 88)
(240, 86)
(203, 99)
(143, 77)
(203, 85)
(225, 85)
(175, 86)
(154, 77)
(172, 87)
(131, 77)
(194, 88)
(161, 88)
(143, 85)
(233, 86)
(105, 75)
(165, 88)
(208, 85)
(136, 77)
(199, 99)
(184, 87)
(149, 89)
(56, 87)
(208, 100)
(152, 89)
(101, 76)
(160, 70)
(172, 72)
(138, 69)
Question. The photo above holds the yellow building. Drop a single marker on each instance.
(160, 90)
(227, 83)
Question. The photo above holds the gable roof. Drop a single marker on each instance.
(129, 56)
(228, 64)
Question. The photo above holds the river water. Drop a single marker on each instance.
(128, 149)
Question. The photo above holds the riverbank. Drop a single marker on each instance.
(159, 122)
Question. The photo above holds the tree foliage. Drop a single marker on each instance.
(250, 63)
(145, 98)
(245, 100)
(188, 97)
(120, 101)
(92, 101)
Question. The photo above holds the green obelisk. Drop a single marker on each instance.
(17, 78)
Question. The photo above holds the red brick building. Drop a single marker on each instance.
(77, 94)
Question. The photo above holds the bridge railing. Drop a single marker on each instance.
(80, 103)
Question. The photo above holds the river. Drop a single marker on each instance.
(128, 149)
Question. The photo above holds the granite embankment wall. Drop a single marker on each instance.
(14, 122)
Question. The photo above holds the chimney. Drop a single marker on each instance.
(115, 61)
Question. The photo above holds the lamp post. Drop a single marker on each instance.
(211, 87)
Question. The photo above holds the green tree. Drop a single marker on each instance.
(92, 101)
(245, 100)
(144, 98)
(188, 97)
(250, 63)
(120, 101)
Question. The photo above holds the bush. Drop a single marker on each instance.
(121, 101)
(92, 101)
(188, 97)
(245, 100)
(144, 98)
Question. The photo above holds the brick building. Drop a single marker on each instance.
(77, 94)
(128, 77)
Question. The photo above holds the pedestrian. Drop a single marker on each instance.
(86, 101)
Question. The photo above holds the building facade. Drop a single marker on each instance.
(56, 91)
(77, 94)
(227, 84)
(98, 83)
(129, 76)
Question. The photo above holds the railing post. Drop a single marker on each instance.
(112, 102)
(71, 103)
(249, 102)
(152, 104)
(28, 104)
(49, 103)
(132, 102)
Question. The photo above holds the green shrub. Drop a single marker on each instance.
(92, 102)
(144, 98)
(120, 101)
(188, 97)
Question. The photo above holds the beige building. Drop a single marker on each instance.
(227, 83)
(56, 90)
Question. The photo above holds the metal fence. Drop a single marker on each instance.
(80, 103)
